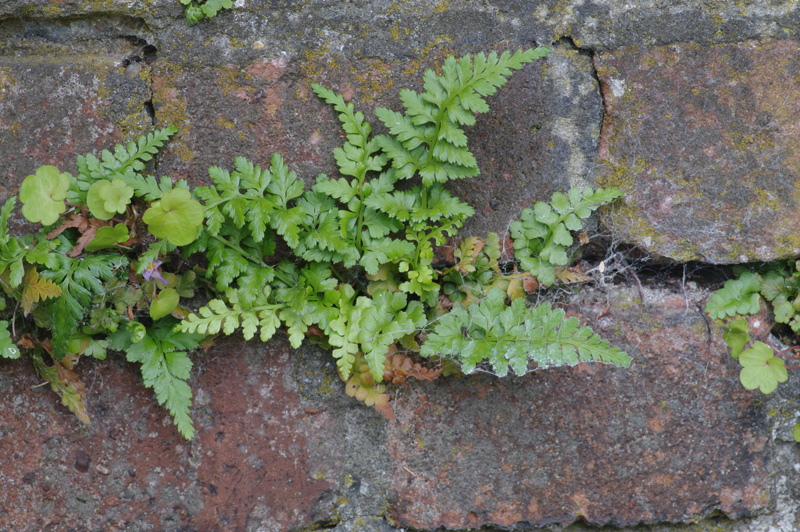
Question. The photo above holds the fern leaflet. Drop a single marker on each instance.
(509, 336)
(542, 234)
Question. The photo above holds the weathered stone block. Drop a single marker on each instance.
(704, 142)
(540, 134)
(249, 462)
(280, 446)
(610, 24)
(66, 89)
(656, 442)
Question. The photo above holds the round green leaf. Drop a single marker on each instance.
(736, 336)
(176, 217)
(116, 196)
(42, 195)
(95, 201)
(761, 369)
(106, 198)
(796, 432)
(108, 237)
(164, 303)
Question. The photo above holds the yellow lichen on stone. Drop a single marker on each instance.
(625, 213)
(171, 105)
(441, 6)
(326, 386)
(224, 122)
(372, 78)
(7, 82)
(436, 49)
(230, 78)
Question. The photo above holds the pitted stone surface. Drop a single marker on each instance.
(281, 447)
(248, 466)
(704, 141)
(540, 135)
(54, 109)
(673, 438)
(391, 29)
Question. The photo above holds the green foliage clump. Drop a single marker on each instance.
(360, 278)
(513, 335)
(543, 234)
(197, 10)
(763, 367)
(737, 297)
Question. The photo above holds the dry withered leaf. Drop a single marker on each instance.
(77, 221)
(571, 275)
(530, 284)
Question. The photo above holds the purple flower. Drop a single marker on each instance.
(152, 271)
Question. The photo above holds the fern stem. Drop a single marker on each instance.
(255, 260)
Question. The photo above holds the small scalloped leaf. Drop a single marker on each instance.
(176, 217)
(108, 237)
(42, 195)
(8, 349)
(738, 296)
(95, 201)
(736, 336)
(116, 196)
(761, 368)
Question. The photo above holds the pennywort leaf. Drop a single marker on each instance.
(8, 349)
(175, 217)
(761, 368)
(42, 195)
(738, 296)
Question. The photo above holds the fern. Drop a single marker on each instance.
(477, 270)
(15, 252)
(359, 154)
(79, 281)
(779, 284)
(542, 235)
(369, 326)
(165, 366)
(428, 139)
(245, 196)
(65, 384)
(361, 279)
(511, 336)
(261, 316)
(125, 163)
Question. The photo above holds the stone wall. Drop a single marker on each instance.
(689, 106)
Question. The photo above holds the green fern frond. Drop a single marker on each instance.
(428, 138)
(217, 317)
(510, 336)
(543, 234)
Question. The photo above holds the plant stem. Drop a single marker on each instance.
(255, 260)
